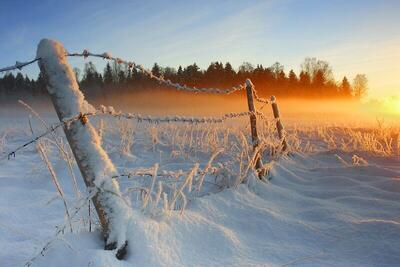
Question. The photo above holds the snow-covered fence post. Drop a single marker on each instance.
(253, 125)
(279, 125)
(96, 167)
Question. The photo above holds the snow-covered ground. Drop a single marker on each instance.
(333, 202)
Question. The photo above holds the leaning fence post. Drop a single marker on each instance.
(253, 125)
(279, 125)
(94, 164)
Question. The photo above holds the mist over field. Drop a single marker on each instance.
(343, 112)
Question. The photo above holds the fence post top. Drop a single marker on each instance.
(48, 48)
(249, 83)
(273, 99)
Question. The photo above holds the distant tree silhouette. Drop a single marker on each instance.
(192, 74)
(345, 88)
(91, 83)
(312, 66)
(292, 78)
(277, 68)
(40, 86)
(179, 75)
(19, 82)
(305, 80)
(169, 73)
(156, 70)
(314, 80)
(246, 67)
(318, 80)
(360, 86)
(77, 73)
(121, 77)
(229, 71)
(107, 75)
(229, 75)
(292, 83)
(214, 73)
(89, 74)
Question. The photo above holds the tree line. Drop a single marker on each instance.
(315, 80)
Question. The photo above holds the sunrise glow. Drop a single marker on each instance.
(392, 105)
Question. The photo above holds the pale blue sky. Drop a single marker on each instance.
(355, 36)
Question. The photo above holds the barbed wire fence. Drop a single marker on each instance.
(131, 64)
(146, 118)
(108, 111)
(253, 114)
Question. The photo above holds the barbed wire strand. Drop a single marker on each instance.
(138, 117)
(51, 129)
(149, 73)
(167, 119)
(260, 99)
(140, 172)
(19, 65)
(131, 64)
(80, 203)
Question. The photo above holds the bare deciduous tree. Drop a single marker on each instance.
(313, 66)
(360, 85)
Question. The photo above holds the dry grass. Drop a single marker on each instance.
(218, 155)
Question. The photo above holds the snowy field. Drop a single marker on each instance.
(333, 201)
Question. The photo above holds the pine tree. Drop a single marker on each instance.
(281, 78)
(319, 79)
(107, 76)
(156, 70)
(292, 78)
(19, 83)
(121, 77)
(179, 74)
(345, 87)
(180, 71)
(229, 74)
(304, 81)
(40, 85)
(192, 75)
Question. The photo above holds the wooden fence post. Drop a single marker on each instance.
(94, 164)
(253, 125)
(279, 125)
